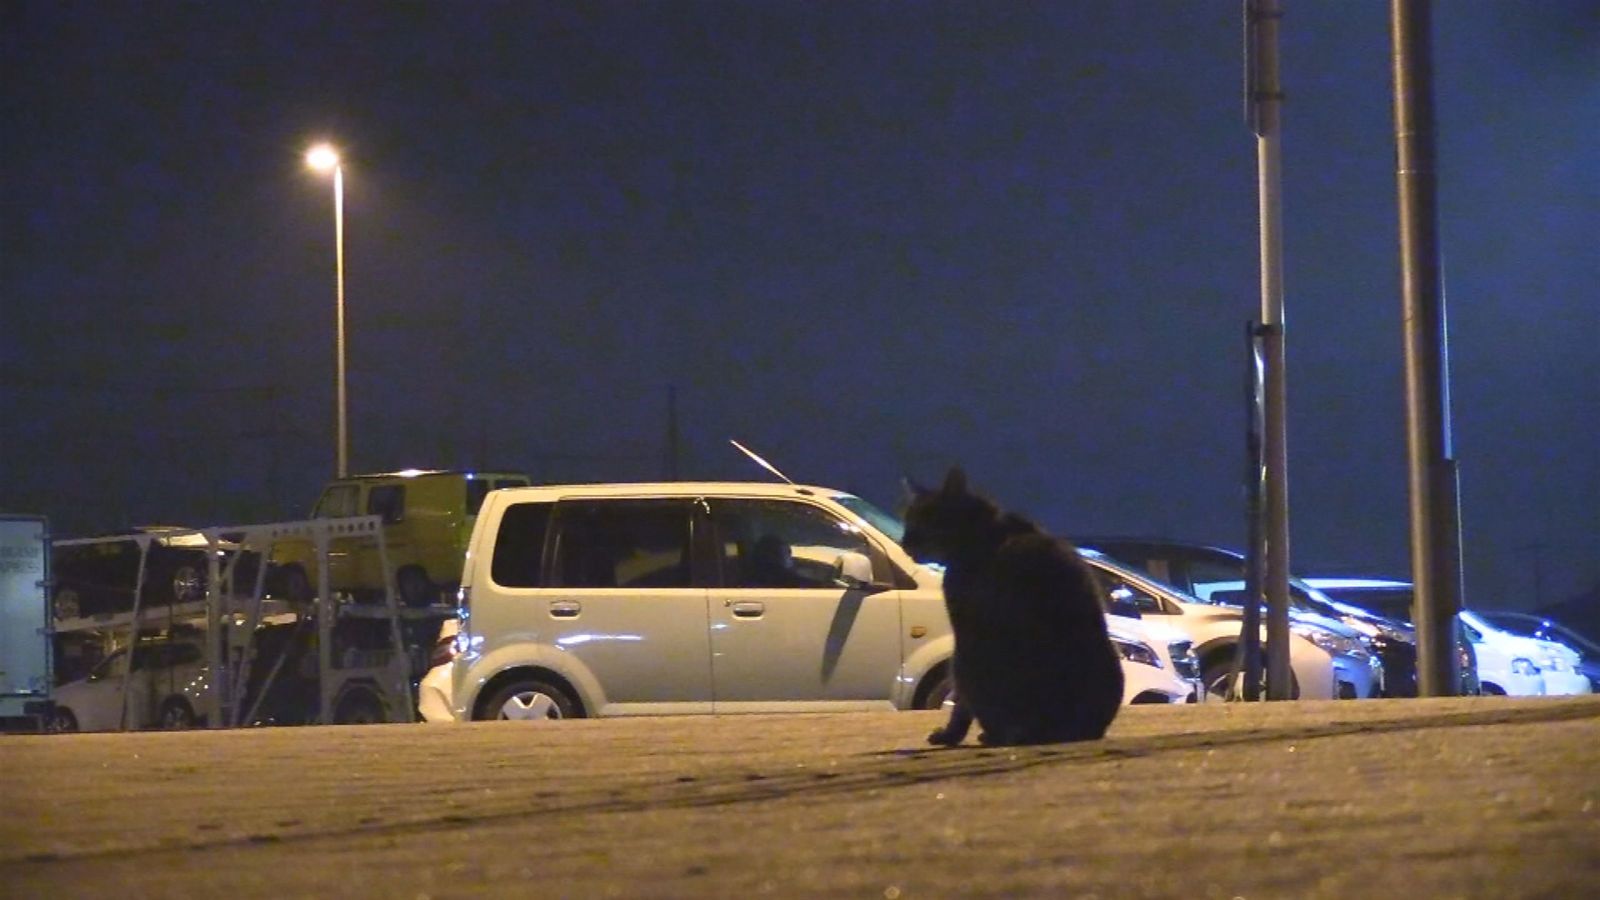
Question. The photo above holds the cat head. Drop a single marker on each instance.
(947, 521)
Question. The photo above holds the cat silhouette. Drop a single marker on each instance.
(1033, 663)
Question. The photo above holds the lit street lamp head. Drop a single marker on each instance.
(323, 158)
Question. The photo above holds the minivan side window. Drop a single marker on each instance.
(519, 545)
(622, 544)
(337, 502)
(388, 501)
(781, 543)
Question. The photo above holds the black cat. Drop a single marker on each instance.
(1032, 661)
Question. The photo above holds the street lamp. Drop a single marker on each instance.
(324, 158)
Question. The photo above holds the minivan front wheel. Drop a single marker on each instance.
(530, 700)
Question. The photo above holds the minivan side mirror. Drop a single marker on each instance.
(853, 570)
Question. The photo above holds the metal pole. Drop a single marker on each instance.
(1265, 99)
(1434, 486)
(338, 241)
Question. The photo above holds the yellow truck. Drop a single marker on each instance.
(427, 520)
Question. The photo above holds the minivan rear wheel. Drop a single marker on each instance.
(938, 692)
(531, 700)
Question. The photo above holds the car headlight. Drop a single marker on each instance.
(1334, 644)
(1137, 651)
(1523, 666)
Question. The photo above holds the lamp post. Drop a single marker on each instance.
(324, 158)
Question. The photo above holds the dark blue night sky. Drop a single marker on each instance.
(867, 239)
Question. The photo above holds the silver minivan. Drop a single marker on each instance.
(624, 599)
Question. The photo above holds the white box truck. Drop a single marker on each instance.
(25, 622)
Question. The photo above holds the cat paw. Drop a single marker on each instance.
(944, 737)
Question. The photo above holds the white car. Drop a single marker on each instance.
(1580, 652)
(167, 686)
(1327, 662)
(1158, 664)
(1522, 666)
(433, 691)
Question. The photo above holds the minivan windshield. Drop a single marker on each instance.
(877, 518)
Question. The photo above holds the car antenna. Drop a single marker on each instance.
(759, 461)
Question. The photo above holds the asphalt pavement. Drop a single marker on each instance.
(1469, 797)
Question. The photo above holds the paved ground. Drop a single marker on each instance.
(1431, 798)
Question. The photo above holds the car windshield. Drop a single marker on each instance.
(877, 518)
(1535, 627)
(1395, 603)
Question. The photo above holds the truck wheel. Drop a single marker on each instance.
(66, 604)
(415, 588)
(61, 721)
(359, 707)
(188, 583)
(176, 715)
(294, 585)
(531, 700)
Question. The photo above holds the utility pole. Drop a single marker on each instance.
(1264, 98)
(1434, 482)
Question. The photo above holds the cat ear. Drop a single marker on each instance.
(956, 481)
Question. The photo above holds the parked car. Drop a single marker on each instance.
(1543, 628)
(1556, 664)
(1324, 663)
(434, 690)
(99, 576)
(1507, 664)
(165, 688)
(427, 518)
(1158, 662)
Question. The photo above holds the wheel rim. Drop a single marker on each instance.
(530, 705)
(1219, 686)
(63, 722)
(188, 584)
(176, 717)
(296, 586)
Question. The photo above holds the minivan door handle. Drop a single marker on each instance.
(565, 609)
(748, 609)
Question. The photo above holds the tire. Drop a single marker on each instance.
(415, 589)
(61, 721)
(175, 715)
(188, 583)
(937, 689)
(1215, 677)
(66, 604)
(295, 586)
(1217, 674)
(360, 707)
(530, 699)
